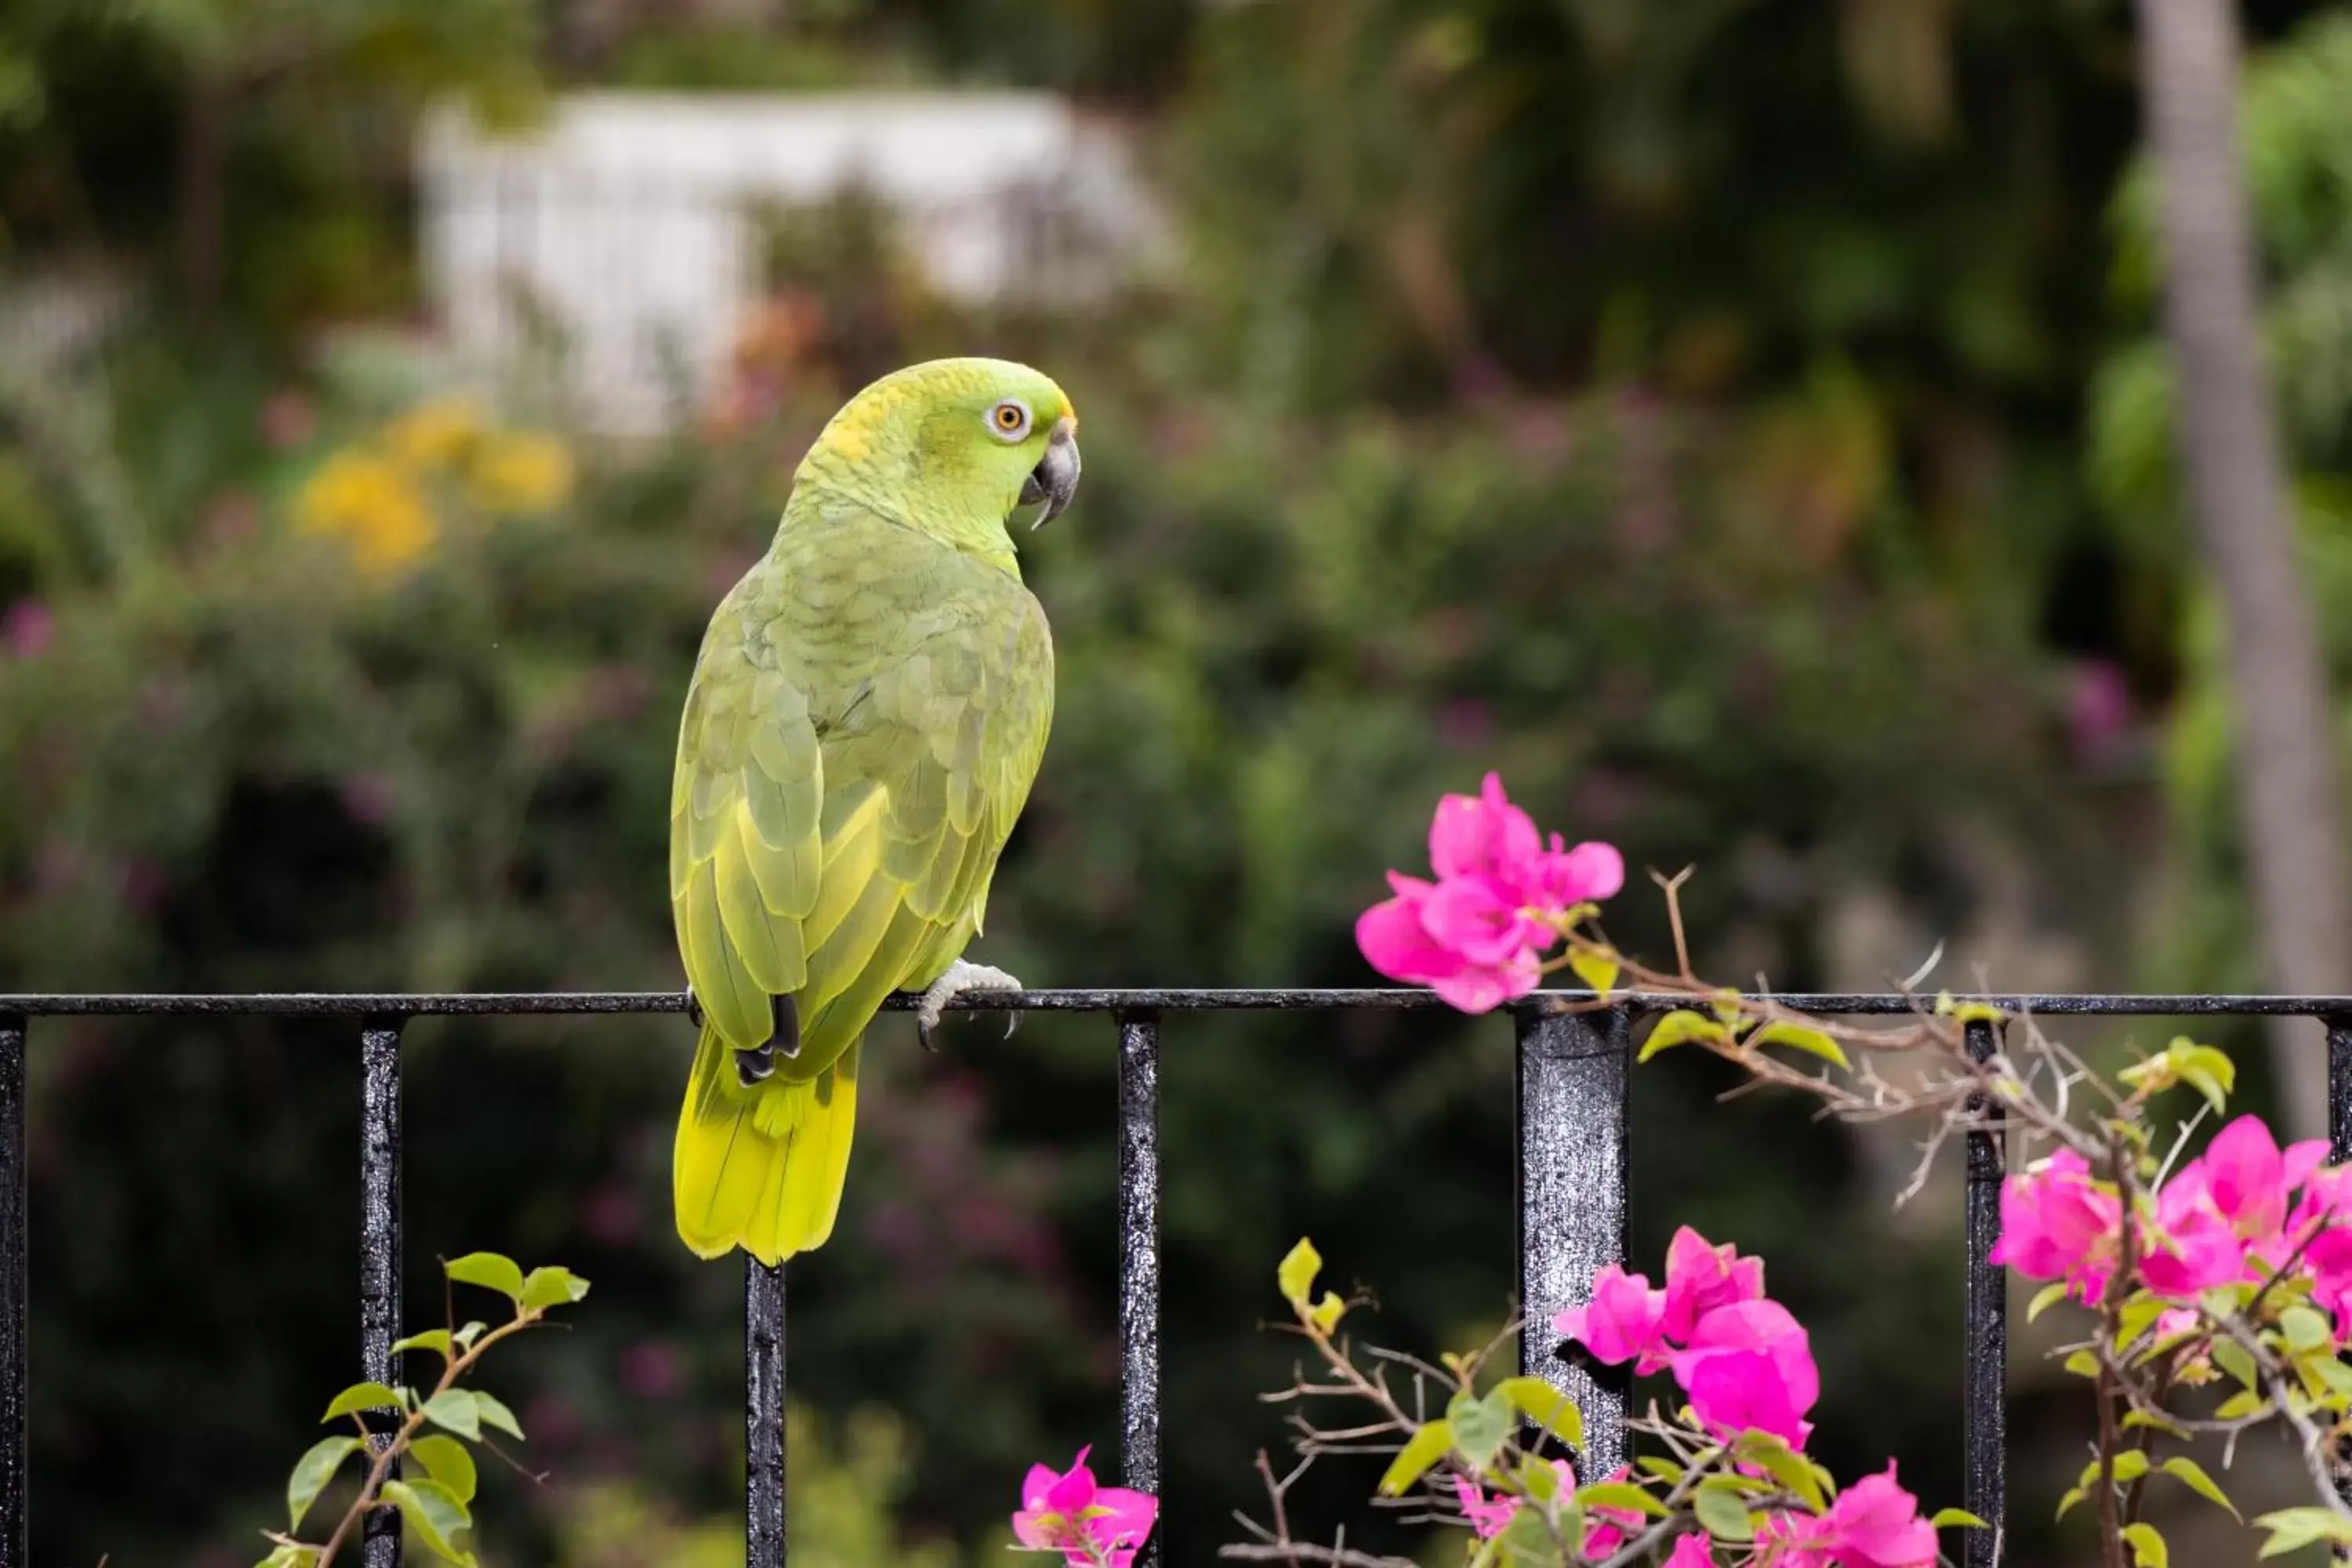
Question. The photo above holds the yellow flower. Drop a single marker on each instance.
(524, 472)
(437, 434)
(369, 503)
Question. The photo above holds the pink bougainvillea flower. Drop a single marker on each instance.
(2056, 1223)
(1701, 1277)
(1087, 1524)
(1489, 1517)
(1875, 1523)
(2328, 1260)
(1396, 939)
(1690, 1552)
(1466, 915)
(1484, 836)
(2250, 1178)
(1749, 1366)
(1607, 1529)
(1475, 934)
(2192, 1247)
(1621, 1322)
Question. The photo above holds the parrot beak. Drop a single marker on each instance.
(1055, 480)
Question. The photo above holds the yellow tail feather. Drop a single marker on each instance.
(760, 1168)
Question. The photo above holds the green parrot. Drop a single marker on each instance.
(866, 715)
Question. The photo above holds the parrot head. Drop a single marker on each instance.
(951, 442)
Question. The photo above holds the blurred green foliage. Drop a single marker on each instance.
(1677, 408)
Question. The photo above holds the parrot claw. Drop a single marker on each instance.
(693, 1007)
(960, 979)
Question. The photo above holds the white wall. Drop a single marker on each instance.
(626, 216)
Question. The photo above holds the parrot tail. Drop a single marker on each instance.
(761, 1167)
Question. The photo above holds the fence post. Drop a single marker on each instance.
(16, 1498)
(1138, 1263)
(380, 1252)
(763, 1414)
(1984, 1425)
(1571, 1179)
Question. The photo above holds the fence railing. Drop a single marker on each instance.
(1570, 1101)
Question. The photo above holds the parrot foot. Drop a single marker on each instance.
(960, 979)
(693, 1007)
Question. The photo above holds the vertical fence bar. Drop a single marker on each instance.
(763, 1414)
(15, 1496)
(1138, 1263)
(1572, 1197)
(1984, 1430)
(379, 1248)
(2339, 1088)
(2339, 1143)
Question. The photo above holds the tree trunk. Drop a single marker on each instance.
(203, 178)
(2282, 732)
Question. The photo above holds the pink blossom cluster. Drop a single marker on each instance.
(1091, 1526)
(2241, 1210)
(1476, 934)
(1608, 1529)
(1745, 1365)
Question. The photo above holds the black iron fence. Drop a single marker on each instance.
(1569, 1100)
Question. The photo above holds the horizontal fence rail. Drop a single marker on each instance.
(1570, 1111)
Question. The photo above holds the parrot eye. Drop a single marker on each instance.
(1009, 420)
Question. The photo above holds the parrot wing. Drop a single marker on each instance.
(862, 732)
(866, 717)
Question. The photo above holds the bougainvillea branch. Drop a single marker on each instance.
(2232, 1267)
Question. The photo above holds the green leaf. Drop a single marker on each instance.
(469, 1334)
(2147, 1546)
(2304, 1329)
(495, 1413)
(2231, 1357)
(2241, 1405)
(1812, 1042)
(2192, 1474)
(459, 1409)
(1536, 1478)
(1326, 1313)
(1296, 1274)
(1722, 1511)
(1621, 1495)
(2073, 1495)
(1528, 1542)
(2131, 1465)
(1546, 1407)
(1955, 1518)
(1966, 1012)
(290, 1557)
(312, 1471)
(432, 1511)
(2044, 1298)
(1678, 1028)
(435, 1339)
(490, 1270)
(447, 1461)
(1599, 971)
(2082, 1364)
(1428, 1445)
(552, 1286)
(1481, 1426)
(2295, 1528)
(1665, 1469)
(361, 1396)
(2217, 1095)
(2151, 1419)
(1788, 1467)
